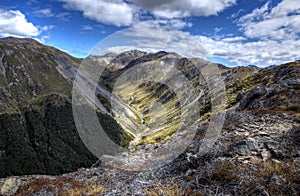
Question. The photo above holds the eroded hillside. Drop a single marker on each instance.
(256, 153)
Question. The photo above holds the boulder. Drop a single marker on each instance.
(244, 147)
(10, 186)
(247, 98)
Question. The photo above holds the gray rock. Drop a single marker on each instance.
(244, 147)
(265, 154)
(271, 145)
(247, 98)
(10, 186)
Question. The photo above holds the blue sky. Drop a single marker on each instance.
(233, 32)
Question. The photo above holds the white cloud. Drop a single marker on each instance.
(120, 49)
(87, 28)
(257, 14)
(184, 8)
(158, 39)
(178, 24)
(233, 39)
(153, 39)
(115, 12)
(14, 23)
(236, 15)
(276, 29)
(120, 13)
(30, 2)
(47, 28)
(64, 16)
(262, 53)
(42, 39)
(279, 23)
(286, 7)
(47, 12)
(169, 23)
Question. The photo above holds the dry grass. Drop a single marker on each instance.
(260, 178)
(171, 189)
(272, 168)
(61, 186)
(224, 172)
(271, 178)
(91, 190)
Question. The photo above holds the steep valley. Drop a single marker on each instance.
(153, 104)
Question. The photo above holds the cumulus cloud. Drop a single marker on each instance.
(234, 49)
(120, 13)
(14, 23)
(279, 23)
(154, 39)
(115, 12)
(285, 8)
(184, 8)
(262, 53)
(276, 29)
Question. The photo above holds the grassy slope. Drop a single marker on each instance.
(163, 120)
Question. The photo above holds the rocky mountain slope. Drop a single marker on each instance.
(37, 130)
(256, 153)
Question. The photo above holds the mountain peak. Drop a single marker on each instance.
(18, 40)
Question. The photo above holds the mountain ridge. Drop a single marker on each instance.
(257, 149)
(35, 92)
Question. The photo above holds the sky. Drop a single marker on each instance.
(232, 32)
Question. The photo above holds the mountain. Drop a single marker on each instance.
(161, 106)
(37, 130)
(278, 91)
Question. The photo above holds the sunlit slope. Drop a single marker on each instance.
(163, 94)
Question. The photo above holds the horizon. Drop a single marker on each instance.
(211, 59)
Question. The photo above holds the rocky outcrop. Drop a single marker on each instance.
(250, 97)
(121, 60)
(244, 147)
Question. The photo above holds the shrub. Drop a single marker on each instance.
(224, 172)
